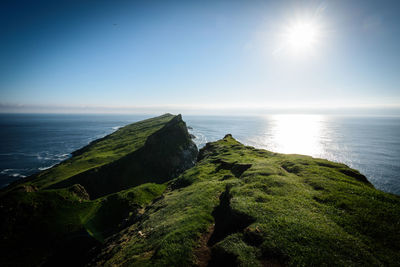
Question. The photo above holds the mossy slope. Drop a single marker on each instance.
(165, 153)
(50, 216)
(59, 227)
(115, 146)
(241, 206)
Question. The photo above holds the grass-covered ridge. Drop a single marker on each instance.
(63, 214)
(250, 207)
(164, 155)
(102, 151)
(148, 203)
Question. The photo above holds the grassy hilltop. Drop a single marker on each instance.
(250, 207)
(237, 206)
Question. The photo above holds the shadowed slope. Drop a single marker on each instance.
(165, 154)
(61, 226)
(102, 151)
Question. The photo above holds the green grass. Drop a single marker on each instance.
(165, 154)
(103, 151)
(49, 216)
(43, 225)
(238, 206)
(259, 208)
(117, 210)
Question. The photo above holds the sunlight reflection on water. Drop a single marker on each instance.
(313, 135)
(369, 144)
(299, 134)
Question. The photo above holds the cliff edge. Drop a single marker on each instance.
(242, 206)
(144, 196)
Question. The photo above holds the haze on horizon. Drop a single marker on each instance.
(200, 56)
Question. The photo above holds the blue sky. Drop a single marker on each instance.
(135, 56)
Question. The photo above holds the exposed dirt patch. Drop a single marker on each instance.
(203, 251)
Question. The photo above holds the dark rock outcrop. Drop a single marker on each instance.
(79, 191)
(165, 154)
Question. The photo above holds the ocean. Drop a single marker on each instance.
(33, 142)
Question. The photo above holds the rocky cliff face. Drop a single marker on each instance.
(49, 219)
(103, 151)
(165, 154)
(151, 204)
(171, 148)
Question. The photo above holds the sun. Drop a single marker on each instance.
(301, 37)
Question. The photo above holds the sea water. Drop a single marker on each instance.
(33, 142)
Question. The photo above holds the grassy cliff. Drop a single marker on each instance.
(241, 206)
(165, 153)
(124, 141)
(141, 200)
(64, 212)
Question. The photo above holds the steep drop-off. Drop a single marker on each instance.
(141, 200)
(108, 149)
(165, 154)
(49, 219)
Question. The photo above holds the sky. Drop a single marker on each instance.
(199, 56)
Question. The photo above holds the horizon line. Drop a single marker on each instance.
(224, 109)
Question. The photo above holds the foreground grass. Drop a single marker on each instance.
(250, 207)
(50, 225)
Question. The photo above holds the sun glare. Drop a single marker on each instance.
(300, 37)
(301, 134)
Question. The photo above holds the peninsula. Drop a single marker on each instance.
(145, 196)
